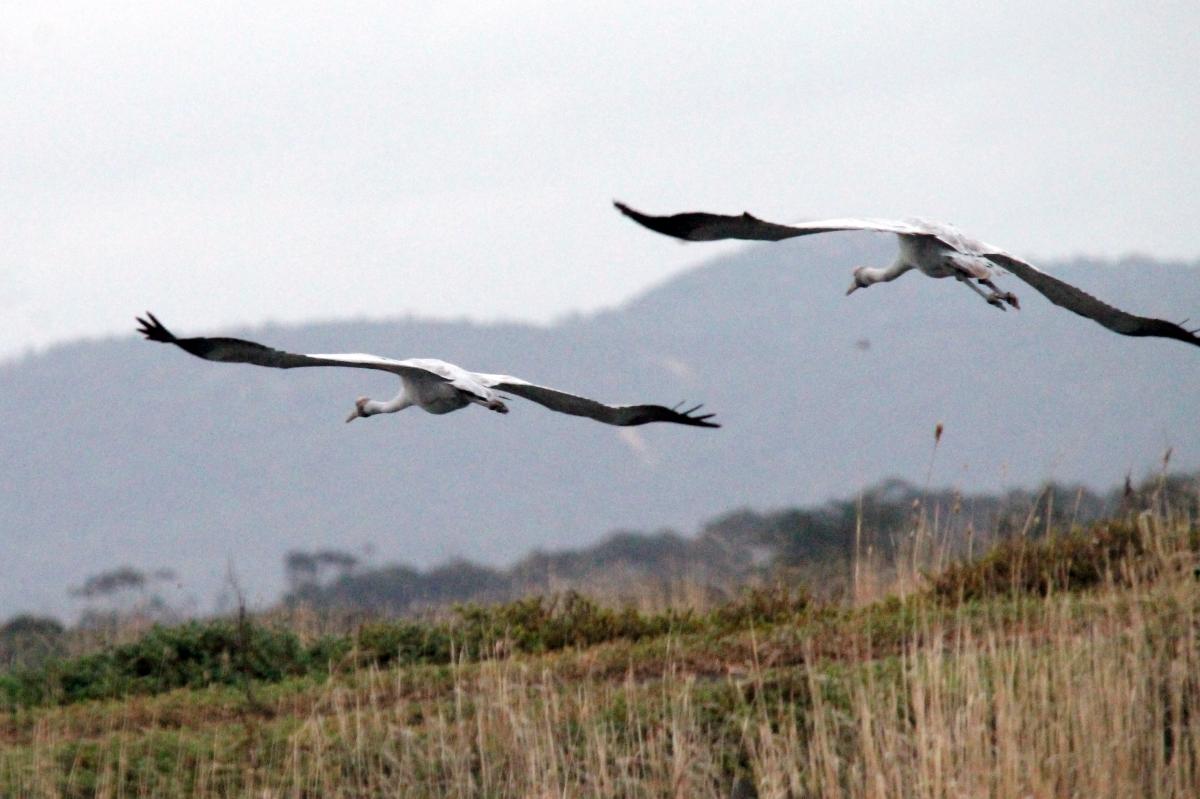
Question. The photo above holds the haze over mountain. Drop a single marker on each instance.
(122, 451)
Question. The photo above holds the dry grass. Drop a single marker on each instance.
(1056, 693)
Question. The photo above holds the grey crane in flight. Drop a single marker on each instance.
(432, 385)
(935, 249)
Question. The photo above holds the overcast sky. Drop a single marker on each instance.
(225, 164)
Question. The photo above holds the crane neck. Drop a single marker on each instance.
(396, 403)
(874, 274)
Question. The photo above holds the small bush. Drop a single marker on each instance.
(760, 607)
(1077, 560)
(571, 620)
(193, 655)
(384, 643)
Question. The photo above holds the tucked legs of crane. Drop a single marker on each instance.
(972, 267)
(1007, 296)
(995, 298)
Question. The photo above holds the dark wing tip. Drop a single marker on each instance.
(644, 219)
(153, 329)
(689, 417)
(1165, 329)
(647, 414)
(691, 226)
(637, 216)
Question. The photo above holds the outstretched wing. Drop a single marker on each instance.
(1079, 301)
(236, 350)
(699, 226)
(621, 415)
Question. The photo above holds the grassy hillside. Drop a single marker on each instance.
(1061, 666)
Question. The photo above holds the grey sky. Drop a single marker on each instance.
(238, 163)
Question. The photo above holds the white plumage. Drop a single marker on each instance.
(432, 385)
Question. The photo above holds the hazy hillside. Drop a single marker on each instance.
(122, 451)
(813, 545)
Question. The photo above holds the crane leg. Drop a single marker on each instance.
(1007, 296)
(995, 298)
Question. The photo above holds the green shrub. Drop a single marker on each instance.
(570, 620)
(764, 606)
(1074, 561)
(404, 642)
(193, 655)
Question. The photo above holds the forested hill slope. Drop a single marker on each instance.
(121, 451)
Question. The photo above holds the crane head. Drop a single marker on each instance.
(359, 410)
(858, 283)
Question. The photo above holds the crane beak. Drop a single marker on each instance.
(352, 416)
(853, 287)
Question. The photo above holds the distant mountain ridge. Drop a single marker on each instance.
(121, 451)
